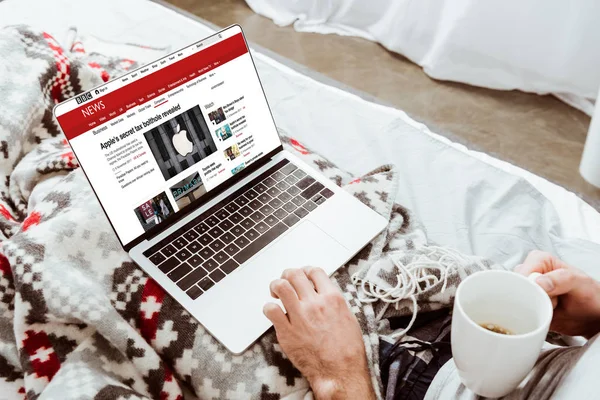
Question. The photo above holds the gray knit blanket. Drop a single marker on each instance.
(80, 320)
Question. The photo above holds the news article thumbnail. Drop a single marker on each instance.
(180, 142)
(231, 153)
(224, 132)
(217, 116)
(187, 190)
(238, 168)
(154, 211)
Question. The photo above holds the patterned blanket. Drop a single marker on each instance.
(80, 320)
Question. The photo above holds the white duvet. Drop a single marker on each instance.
(468, 200)
(538, 46)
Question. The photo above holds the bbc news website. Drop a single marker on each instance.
(171, 132)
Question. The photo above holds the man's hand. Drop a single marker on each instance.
(575, 296)
(320, 335)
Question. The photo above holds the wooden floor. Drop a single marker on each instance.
(538, 133)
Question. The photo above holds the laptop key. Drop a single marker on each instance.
(201, 228)
(229, 266)
(194, 247)
(288, 169)
(291, 219)
(291, 179)
(241, 242)
(282, 186)
(179, 243)
(271, 220)
(206, 253)
(183, 254)
(190, 235)
(299, 174)
(264, 198)
(210, 265)
(194, 292)
(205, 239)
(289, 207)
(194, 260)
(280, 213)
(251, 194)
(301, 212)
(235, 218)
(255, 204)
(251, 234)
(222, 214)
(217, 275)
(221, 257)
(247, 223)
(262, 227)
(231, 249)
(192, 278)
(227, 237)
(298, 200)
(211, 221)
(241, 201)
(266, 209)
(318, 199)
(309, 205)
(312, 190)
(293, 191)
(327, 193)
(237, 230)
(268, 181)
(232, 207)
(157, 258)
(259, 188)
(259, 244)
(206, 284)
(179, 272)
(217, 245)
(277, 176)
(305, 182)
(273, 192)
(275, 203)
(225, 225)
(169, 265)
(168, 250)
(257, 216)
(246, 211)
(216, 232)
(285, 197)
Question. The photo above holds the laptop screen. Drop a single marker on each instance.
(155, 140)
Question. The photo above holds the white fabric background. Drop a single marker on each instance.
(468, 200)
(539, 46)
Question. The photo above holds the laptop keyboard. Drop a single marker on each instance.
(205, 250)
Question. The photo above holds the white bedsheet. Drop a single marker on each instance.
(468, 200)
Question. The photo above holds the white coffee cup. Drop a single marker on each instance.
(492, 364)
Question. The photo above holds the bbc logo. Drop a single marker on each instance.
(83, 98)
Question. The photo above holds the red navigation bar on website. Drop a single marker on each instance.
(104, 108)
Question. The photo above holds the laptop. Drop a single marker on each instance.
(185, 159)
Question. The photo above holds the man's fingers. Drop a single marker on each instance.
(284, 291)
(558, 282)
(319, 279)
(276, 315)
(539, 261)
(298, 279)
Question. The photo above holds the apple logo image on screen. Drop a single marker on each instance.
(181, 142)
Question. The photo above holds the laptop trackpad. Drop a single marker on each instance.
(306, 245)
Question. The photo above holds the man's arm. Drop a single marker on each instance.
(320, 335)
